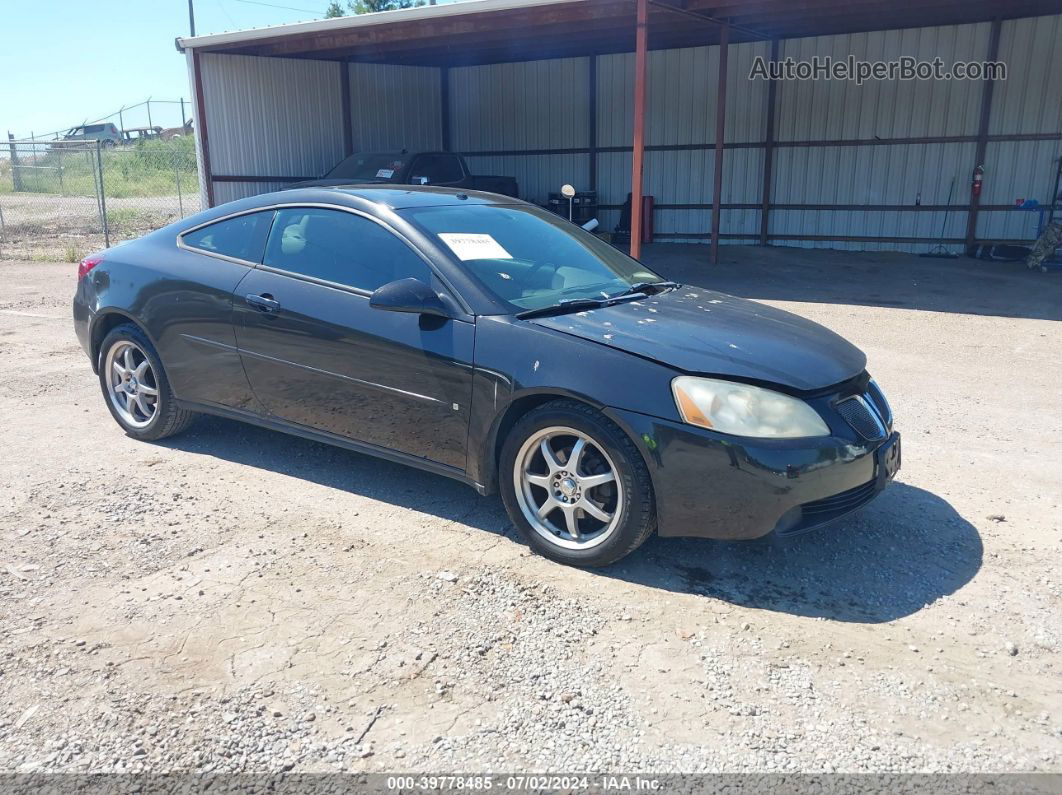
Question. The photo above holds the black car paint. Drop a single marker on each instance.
(439, 393)
(701, 331)
(328, 361)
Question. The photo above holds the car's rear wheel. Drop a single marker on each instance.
(575, 485)
(135, 386)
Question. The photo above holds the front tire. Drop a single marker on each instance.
(575, 485)
(135, 386)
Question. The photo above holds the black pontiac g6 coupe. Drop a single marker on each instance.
(482, 338)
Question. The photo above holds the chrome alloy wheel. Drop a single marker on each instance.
(131, 384)
(568, 488)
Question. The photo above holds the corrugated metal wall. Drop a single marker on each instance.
(395, 107)
(524, 106)
(681, 111)
(283, 117)
(275, 116)
(270, 117)
(1028, 101)
(827, 110)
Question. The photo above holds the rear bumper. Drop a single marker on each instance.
(83, 322)
(710, 485)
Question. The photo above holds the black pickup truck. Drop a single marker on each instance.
(444, 169)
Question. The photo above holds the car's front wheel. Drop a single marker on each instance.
(575, 485)
(135, 386)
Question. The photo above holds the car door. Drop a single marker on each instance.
(436, 168)
(317, 355)
(187, 303)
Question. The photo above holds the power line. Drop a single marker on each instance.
(225, 11)
(286, 8)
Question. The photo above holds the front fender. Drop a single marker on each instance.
(520, 365)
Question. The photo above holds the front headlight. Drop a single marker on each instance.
(744, 410)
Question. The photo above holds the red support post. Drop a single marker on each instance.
(641, 41)
(982, 136)
(720, 132)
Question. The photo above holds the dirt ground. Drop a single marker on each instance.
(235, 599)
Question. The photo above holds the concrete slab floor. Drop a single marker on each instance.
(964, 285)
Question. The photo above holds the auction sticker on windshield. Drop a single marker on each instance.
(467, 245)
(385, 173)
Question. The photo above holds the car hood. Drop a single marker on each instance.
(702, 331)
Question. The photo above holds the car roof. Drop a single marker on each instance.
(368, 198)
(394, 197)
(399, 197)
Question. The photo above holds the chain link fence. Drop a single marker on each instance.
(61, 200)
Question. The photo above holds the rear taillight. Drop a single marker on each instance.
(87, 264)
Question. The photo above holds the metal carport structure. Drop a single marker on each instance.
(600, 92)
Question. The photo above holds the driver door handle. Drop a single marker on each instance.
(264, 302)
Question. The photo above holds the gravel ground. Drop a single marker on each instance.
(238, 600)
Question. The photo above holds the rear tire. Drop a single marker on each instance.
(576, 486)
(135, 387)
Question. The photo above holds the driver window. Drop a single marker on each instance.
(340, 247)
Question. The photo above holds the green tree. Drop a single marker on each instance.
(370, 6)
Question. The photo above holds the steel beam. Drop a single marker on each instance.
(444, 106)
(707, 18)
(345, 109)
(641, 41)
(768, 150)
(591, 72)
(720, 130)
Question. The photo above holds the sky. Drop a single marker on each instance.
(67, 61)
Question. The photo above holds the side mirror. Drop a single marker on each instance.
(408, 295)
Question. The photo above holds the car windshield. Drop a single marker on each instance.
(370, 167)
(527, 257)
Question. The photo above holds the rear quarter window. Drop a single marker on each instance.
(241, 237)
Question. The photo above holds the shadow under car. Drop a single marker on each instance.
(905, 550)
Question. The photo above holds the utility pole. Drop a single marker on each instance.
(191, 18)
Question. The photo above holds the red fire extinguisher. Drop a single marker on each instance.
(978, 179)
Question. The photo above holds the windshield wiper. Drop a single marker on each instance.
(576, 305)
(562, 307)
(647, 288)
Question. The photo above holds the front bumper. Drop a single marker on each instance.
(710, 485)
